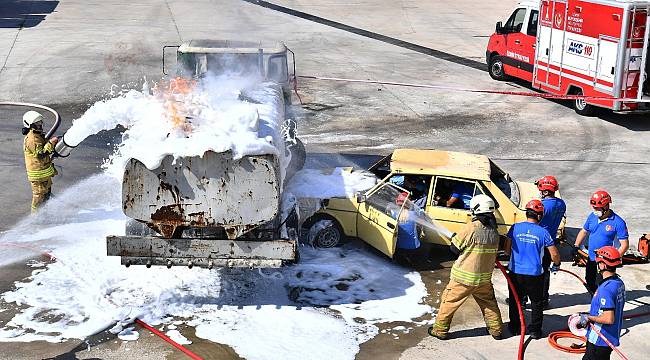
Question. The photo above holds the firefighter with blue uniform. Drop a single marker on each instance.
(606, 311)
(604, 228)
(554, 211)
(528, 240)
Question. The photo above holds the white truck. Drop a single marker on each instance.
(215, 210)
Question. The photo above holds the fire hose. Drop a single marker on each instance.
(554, 336)
(166, 338)
(57, 118)
(522, 334)
(480, 91)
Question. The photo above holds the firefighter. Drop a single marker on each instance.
(528, 240)
(606, 311)
(38, 158)
(476, 246)
(554, 211)
(604, 227)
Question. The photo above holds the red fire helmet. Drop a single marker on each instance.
(547, 183)
(536, 206)
(600, 198)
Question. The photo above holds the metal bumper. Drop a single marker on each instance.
(207, 253)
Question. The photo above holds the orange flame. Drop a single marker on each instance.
(173, 92)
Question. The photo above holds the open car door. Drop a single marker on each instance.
(378, 217)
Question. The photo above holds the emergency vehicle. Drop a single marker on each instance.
(594, 48)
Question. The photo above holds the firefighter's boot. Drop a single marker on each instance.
(438, 333)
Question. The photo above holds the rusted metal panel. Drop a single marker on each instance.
(160, 251)
(204, 263)
(214, 190)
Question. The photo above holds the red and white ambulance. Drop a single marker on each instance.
(594, 48)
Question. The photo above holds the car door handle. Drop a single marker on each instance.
(390, 225)
(517, 42)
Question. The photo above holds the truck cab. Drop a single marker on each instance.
(271, 61)
(511, 49)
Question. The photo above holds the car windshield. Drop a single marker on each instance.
(505, 183)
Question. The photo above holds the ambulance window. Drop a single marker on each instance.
(532, 23)
(516, 21)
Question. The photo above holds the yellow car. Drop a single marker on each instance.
(439, 182)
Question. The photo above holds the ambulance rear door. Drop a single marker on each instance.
(550, 44)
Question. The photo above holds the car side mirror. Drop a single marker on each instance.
(499, 28)
(361, 197)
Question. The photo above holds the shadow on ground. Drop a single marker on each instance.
(24, 14)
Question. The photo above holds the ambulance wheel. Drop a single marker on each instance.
(496, 69)
(582, 108)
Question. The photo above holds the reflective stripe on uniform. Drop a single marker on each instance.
(482, 251)
(470, 278)
(40, 175)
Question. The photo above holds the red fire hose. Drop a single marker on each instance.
(166, 338)
(180, 347)
(554, 336)
(520, 356)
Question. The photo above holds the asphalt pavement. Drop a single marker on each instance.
(69, 54)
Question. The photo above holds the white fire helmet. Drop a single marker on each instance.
(481, 204)
(31, 117)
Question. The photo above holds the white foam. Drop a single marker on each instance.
(324, 307)
(178, 337)
(340, 182)
(128, 334)
(86, 291)
(211, 116)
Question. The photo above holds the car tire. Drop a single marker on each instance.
(582, 108)
(496, 69)
(326, 233)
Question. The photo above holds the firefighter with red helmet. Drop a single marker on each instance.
(528, 241)
(554, 211)
(604, 228)
(606, 311)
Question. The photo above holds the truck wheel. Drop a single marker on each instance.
(582, 108)
(496, 69)
(326, 234)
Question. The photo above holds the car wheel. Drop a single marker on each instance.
(582, 108)
(326, 234)
(496, 69)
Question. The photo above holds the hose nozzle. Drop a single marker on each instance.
(62, 149)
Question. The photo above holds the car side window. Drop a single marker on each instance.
(516, 21)
(532, 23)
(417, 185)
(387, 199)
(454, 193)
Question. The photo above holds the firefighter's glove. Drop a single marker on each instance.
(584, 321)
(555, 268)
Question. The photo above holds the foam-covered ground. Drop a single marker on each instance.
(331, 301)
